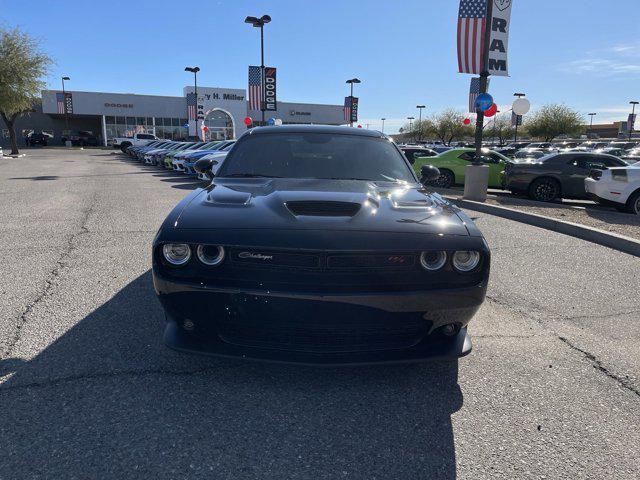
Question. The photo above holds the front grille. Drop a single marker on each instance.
(370, 261)
(332, 335)
(323, 208)
(273, 258)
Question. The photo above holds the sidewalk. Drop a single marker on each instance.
(582, 212)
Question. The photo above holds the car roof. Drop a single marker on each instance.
(328, 129)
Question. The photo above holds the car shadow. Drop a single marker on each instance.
(108, 400)
(613, 217)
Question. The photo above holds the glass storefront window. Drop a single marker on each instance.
(141, 121)
(220, 126)
(131, 120)
(120, 121)
(175, 122)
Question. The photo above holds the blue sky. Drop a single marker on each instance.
(585, 53)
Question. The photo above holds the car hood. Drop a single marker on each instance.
(197, 155)
(271, 204)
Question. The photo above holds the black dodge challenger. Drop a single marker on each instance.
(319, 245)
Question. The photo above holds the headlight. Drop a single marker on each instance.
(176, 253)
(211, 255)
(433, 260)
(465, 261)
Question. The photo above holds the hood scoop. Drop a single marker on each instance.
(323, 208)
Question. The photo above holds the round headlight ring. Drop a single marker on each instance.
(433, 261)
(176, 253)
(211, 255)
(466, 260)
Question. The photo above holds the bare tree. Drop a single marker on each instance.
(500, 127)
(22, 67)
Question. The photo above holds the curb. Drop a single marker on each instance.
(594, 235)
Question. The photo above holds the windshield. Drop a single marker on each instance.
(317, 155)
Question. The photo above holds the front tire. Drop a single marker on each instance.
(544, 189)
(633, 204)
(445, 180)
(124, 146)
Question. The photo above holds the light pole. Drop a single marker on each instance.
(411, 119)
(420, 107)
(351, 82)
(633, 112)
(260, 23)
(64, 99)
(519, 95)
(383, 119)
(591, 123)
(195, 71)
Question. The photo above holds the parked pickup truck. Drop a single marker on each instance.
(137, 140)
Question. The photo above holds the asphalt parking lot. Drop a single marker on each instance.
(87, 390)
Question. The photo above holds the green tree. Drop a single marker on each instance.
(448, 126)
(22, 67)
(554, 120)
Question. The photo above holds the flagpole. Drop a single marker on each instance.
(484, 80)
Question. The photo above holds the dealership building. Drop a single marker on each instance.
(107, 115)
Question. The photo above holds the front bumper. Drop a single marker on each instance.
(317, 328)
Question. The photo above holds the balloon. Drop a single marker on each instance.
(271, 121)
(278, 121)
(466, 121)
(205, 129)
(359, 126)
(484, 101)
(521, 106)
(491, 111)
(248, 121)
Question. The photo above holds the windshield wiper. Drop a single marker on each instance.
(250, 175)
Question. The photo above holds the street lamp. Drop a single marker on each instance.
(411, 119)
(260, 23)
(351, 82)
(633, 113)
(383, 119)
(195, 71)
(591, 123)
(420, 107)
(64, 99)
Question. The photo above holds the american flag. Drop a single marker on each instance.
(60, 102)
(192, 102)
(474, 91)
(347, 109)
(255, 88)
(471, 27)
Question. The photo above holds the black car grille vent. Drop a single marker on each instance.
(323, 208)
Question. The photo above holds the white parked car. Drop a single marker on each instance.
(618, 187)
(137, 140)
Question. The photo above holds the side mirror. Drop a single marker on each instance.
(428, 173)
(202, 166)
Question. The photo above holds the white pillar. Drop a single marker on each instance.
(104, 130)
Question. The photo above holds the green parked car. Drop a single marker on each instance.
(452, 164)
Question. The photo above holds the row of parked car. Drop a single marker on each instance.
(571, 173)
(191, 158)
